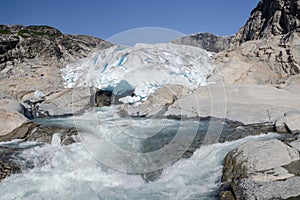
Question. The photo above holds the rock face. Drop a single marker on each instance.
(31, 58)
(270, 18)
(207, 41)
(266, 49)
(257, 170)
(265, 61)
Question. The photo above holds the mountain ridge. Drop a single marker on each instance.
(205, 40)
(31, 57)
(270, 18)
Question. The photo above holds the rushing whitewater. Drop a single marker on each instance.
(71, 172)
(146, 67)
(76, 171)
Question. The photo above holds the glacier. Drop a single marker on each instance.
(146, 67)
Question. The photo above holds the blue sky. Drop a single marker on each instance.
(104, 18)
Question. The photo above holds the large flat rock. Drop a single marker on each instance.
(247, 103)
(68, 101)
(13, 125)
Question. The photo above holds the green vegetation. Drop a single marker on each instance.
(4, 32)
(24, 33)
(43, 30)
(37, 31)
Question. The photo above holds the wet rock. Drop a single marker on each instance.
(7, 168)
(247, 189)
(44, 134)
(227, 195)
(289, 123)
(262, 170)
(292, 121)
(10, 162)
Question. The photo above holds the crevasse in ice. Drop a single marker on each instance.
(146, 67)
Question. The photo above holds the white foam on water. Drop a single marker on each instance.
(71, 172)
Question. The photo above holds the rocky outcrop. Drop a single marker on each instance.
(266, 61)
(207, 41)
(14, 106)
(13, 125)
(289, 123)
(44, 134)
(270, 18)
(66, 102)
(265, 50)
(31, 58)
(258, 170)
(253, 157)
(11, 163)
(157, 103)
(246, 103)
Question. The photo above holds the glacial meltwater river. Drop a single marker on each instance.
(110, 146)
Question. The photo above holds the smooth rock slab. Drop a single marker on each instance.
(246, 103)
(158, 102)
(13, 125)
(68, 101)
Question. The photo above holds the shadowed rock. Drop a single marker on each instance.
(207, 41)
(270, 18)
